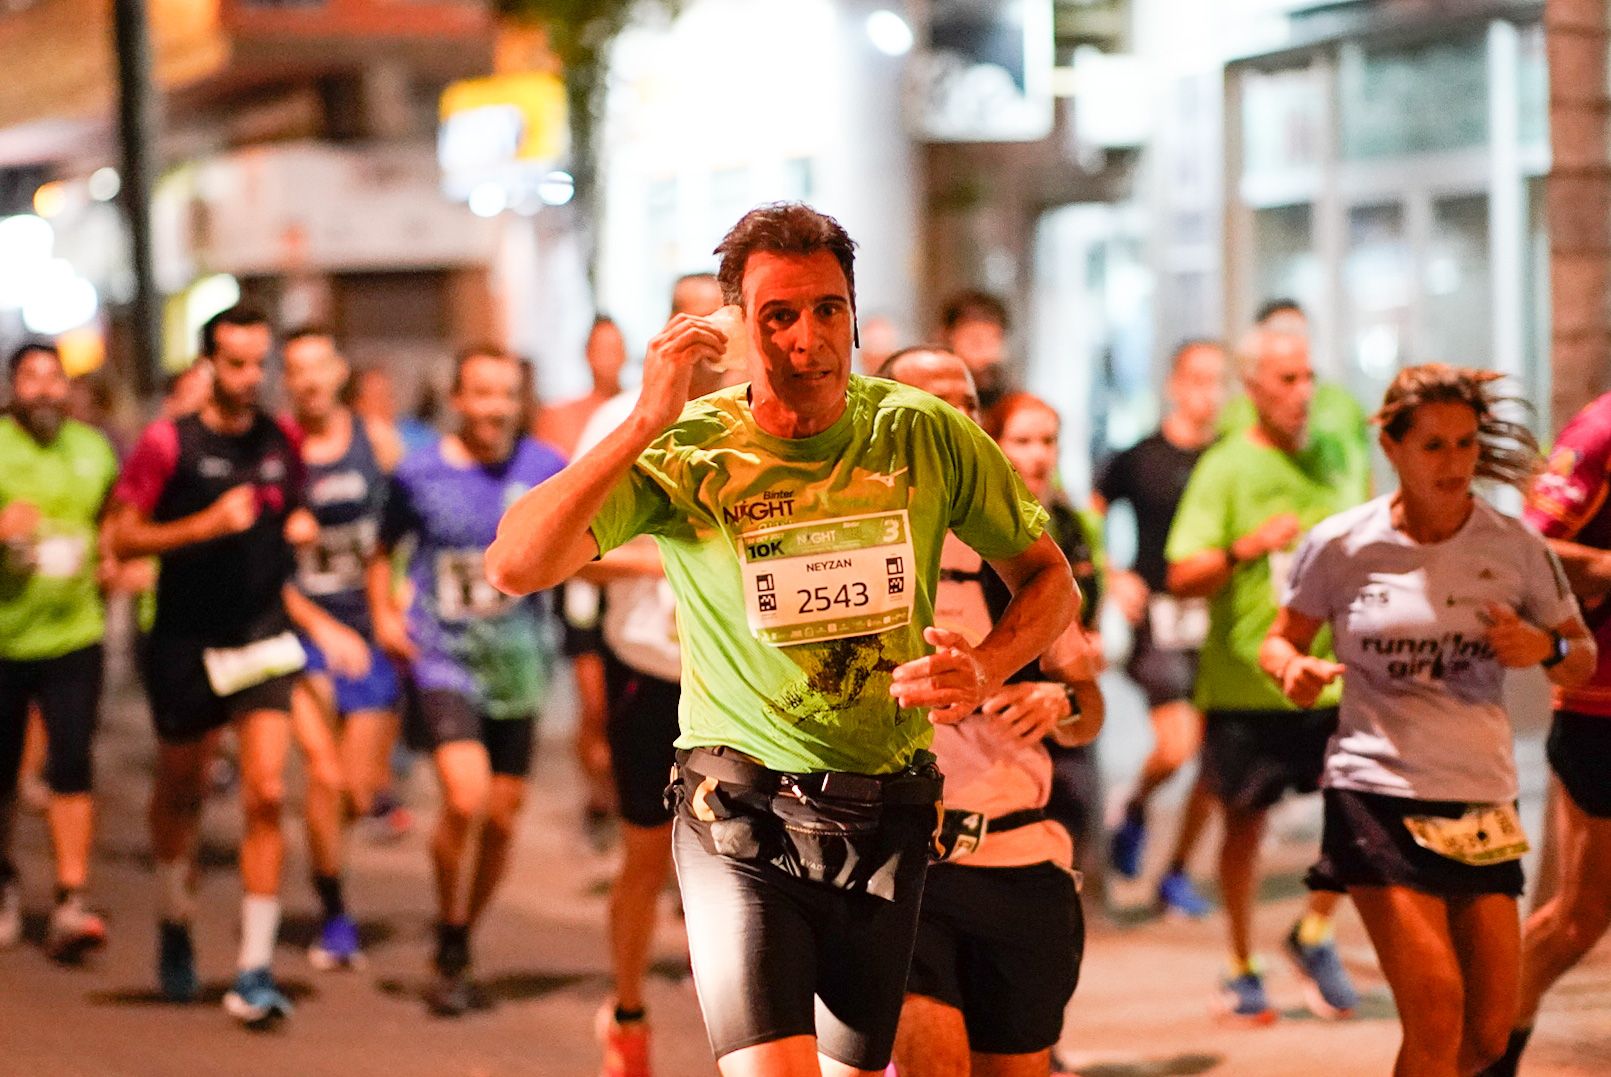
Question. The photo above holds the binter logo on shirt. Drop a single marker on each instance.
(1448, 655)
(772, 505)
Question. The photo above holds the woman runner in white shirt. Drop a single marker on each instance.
(1431, 596)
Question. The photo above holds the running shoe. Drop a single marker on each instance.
(1327, 990)
(454, 995)
(255, 1001)
(337, 945)
(74, 933)
(10, 914)
(1127, 844)
(1244, 999)
(626, 1045)
(176, 962)
(1178, 896)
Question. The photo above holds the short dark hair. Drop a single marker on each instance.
(309, 329)
(240, 314)
(1277, 305)
(483, 350)
(782, 228)
(972, 305)
(26, 349)
(599, 322)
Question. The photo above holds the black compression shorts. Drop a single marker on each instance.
(443, 716)
(1252, 758)
(1579, 751)
(642, 732)
(68, 692)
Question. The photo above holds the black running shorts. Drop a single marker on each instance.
(777, 956)
(1164, 676)
(1003, 945)
(1579, 751)
(68, 692)
(1252, 758)
(642, 732)
(444, 716)
(184, 706)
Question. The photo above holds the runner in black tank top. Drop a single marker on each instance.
(216, 496)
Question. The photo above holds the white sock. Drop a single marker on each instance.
(178, 899)
(260, 923)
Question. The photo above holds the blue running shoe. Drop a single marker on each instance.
(176, 962)
(1178, 896)
(1327, 990)
(1127, 844)
(1244, 999)
(337, 946)
(255, 1001)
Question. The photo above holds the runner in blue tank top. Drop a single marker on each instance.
(478, 658)
(344, 707)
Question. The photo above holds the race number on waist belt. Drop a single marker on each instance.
(828, 579)
(234, 669)
(1177, 624)
(1485, 834)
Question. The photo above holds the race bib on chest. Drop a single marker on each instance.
(462, 590)
(335, 563)
(828, 579)
(1485, 834)
(61, 557)
(235, 669)
(1177, 624)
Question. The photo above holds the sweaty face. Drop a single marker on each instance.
(1437, 457)
(39, 392)
(238, 361)
(797, 308)
(314, 375)
(1197, 385)
(1280, 386)
(488, 403)
(1029, 441)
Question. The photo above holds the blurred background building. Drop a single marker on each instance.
(1124, 173)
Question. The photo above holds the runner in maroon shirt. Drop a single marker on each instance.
(215, 495)
(1569, 506)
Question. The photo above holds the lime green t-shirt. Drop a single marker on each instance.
(1235, 487)
(805, 569)
(50, 600)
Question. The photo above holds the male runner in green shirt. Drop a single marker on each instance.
(54, 478)
(800, 518)
(1249, 499)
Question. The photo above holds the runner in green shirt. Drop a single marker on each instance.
(800, 519)
(1249, 499)
(54, 478)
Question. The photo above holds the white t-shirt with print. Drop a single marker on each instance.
(1423, 696)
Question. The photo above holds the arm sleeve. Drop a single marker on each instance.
(1548, 598)
(1200, 519)
(1574, 485)
(991, 508)
(1309, 587)
(149, 467)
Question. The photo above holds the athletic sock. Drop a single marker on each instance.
(1507, 1063)
(328, 887)
(452, 948)
(1251, 967)
(624, 1017)
(66, 894)
(178, 899)
(260, 923)
(1135, 812)
(1314, 929)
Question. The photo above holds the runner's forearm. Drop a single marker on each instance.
(1044, 601)
(132, 535)
(544, 537)
(1588, 569)
(1201, 574)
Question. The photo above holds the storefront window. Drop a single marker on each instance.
(1378, 286)
(1283, 255)
(1458, 284)
(1283, 117)
(1405, 100)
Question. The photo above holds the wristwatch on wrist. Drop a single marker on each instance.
(1073, 707)
(1559, 648)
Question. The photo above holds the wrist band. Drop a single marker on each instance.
(1559, 648)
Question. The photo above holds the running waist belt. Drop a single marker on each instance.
(962, 832)
(854, 832)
